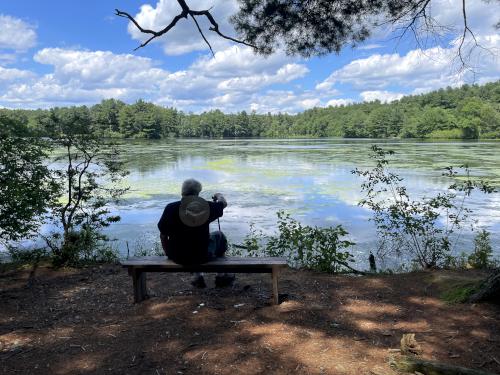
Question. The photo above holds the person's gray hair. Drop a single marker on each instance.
(191, 187)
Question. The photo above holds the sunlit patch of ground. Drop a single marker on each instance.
(84, 322)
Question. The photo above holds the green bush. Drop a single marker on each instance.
(86, 246)
(27, 256)
(310, 247)
(481, 257)
(411, 228)
(459, 293)
(155, 250)
(457, 262)
(447, 134)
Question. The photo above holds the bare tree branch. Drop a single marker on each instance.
(215, 27)
(156, 34)
(203, 35)
(186, 11)
(420, 22)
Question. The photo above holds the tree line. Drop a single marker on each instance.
(468, 112)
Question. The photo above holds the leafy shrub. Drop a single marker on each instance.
(457, 262)
(27, 188)
(85, 246)
(253, 244)
(311, 247)
(481, 257)
(447, 134)
(27, 256)
(142, 247)
(459, 293)
(155, 250)
(412, 227)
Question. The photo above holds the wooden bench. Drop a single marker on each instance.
(137, 268)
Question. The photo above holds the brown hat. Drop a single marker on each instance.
(194, 211)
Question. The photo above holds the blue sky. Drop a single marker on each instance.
(59, 53)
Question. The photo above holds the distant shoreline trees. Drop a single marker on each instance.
(468, 112)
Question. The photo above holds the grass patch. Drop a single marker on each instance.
(455, 286)
(459, 293)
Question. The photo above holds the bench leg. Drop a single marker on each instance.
(275, 275)
(140, 289)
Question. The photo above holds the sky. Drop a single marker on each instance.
(62, 53)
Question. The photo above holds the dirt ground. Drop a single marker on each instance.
(85, 322)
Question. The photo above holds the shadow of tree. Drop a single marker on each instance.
(84, 321)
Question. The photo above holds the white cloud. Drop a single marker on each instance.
(86, 77)
(16, 34)
(287, 73)
(339, 102)
(481, 15)
(383, 96)
(310, 103)
(184, 37)
(10, 75)
(417, 70)
(100, 69)
(241, 60)
(383, 70)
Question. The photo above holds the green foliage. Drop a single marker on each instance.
(483, 252)
(89, 176)
(320, 249)
(253, 241)
(459, 293)
(466, 113)
(309, 28)
(141, 250)
(81, 247)
(447, 134)
(456, 262)
(75, 196)
(27, 256)
(26, 186)
(412, 227)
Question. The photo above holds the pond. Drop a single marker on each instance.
(311, 179)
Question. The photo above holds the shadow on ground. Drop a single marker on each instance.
(84, 322)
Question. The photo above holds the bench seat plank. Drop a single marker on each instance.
(163, 262)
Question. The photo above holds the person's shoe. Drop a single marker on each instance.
(225, 280)
(199, 282)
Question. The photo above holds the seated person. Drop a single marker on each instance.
(184, 231)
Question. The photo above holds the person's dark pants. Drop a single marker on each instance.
(217, 245)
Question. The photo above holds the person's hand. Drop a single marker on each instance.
(218, 197)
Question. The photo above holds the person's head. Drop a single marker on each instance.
(190, 187)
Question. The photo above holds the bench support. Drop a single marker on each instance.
(275, 274)
(140, 287)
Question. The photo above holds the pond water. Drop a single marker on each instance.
(311, 179)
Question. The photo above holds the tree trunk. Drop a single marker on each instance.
(489, 290)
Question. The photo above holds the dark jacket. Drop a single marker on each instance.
(184, 244)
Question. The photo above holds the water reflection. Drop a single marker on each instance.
(310, 178)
